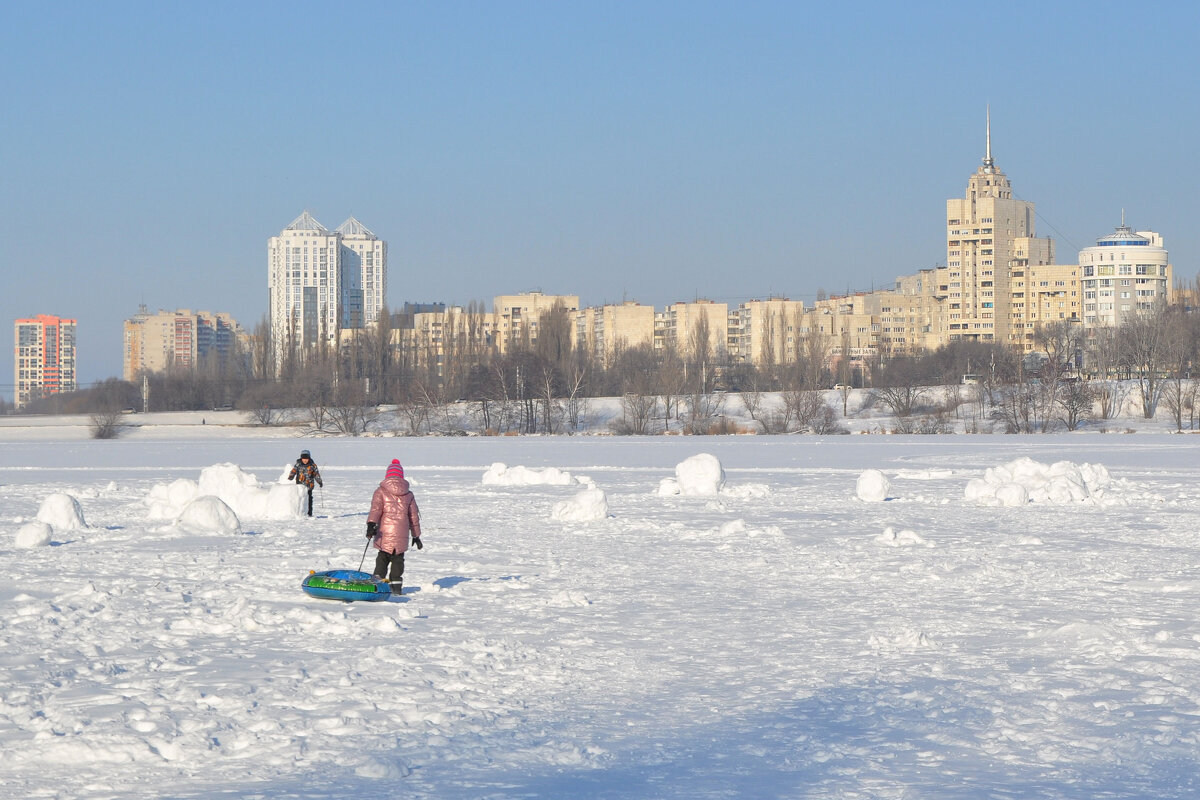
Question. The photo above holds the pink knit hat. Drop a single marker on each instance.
(394, 470)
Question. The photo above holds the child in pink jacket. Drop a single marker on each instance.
(393, 516)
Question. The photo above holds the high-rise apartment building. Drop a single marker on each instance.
(1041, 295)
(363, 272)
(987, 234)
(699, 329)
(179, 339)
(1126, 272)
(604, 331)
(44, 358)
(516, 316)
(765, 332)
(322, 281)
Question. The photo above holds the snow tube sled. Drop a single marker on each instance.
(346, 584)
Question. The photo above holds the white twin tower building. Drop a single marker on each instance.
(322, 282)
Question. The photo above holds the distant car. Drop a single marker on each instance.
(970, 380)
(222, 408)
(842, 387)
(129, 410)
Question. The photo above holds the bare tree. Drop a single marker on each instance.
(576, 402)
(1061, 341)
(106, 424)
(638, 412)
(637, 368)
(1103, 364)
(547, 385)
(812, 352)
(671, 381)
(770, 414)
(1179, 390)
(808, 409)
(1076, 398)
(349, 412)
(845, 373)
(902, 399)
(1147, 344)
(415, 408)
(703, 410)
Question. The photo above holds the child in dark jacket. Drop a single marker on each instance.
(306, 473)
(393, 516)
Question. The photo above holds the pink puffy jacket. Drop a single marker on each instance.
(394, 509)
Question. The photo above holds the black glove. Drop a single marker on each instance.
(321, 483)
(371, 528)
(417, 543)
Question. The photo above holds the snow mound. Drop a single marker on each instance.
(63, 512)
(873, 486)
(667, 487)
(699, 475)
(588, 506)
(238, 490)
(1025, 481)
(500, 474)
(702, 474)
(33, 534)
(208, 514)
(905, 538)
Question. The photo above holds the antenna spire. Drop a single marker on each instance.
(987, 159)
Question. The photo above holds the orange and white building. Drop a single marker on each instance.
(43, 358)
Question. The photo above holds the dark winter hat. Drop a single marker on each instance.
(394, 470)
(304, 454)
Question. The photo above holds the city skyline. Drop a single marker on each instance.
(654, 154)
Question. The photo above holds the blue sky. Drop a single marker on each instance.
(647, 151)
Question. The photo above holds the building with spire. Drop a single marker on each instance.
(990, 238)
(321, 282)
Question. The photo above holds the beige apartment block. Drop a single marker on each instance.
(849, 325)
(178, 339)
(1043, 294)
(763, 332)
(604, 331)
(1125, 272)
(515, 316)
(914, 316)
(985, 229)
(693, 329)
(437, 337)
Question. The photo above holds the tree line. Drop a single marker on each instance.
(543, 383)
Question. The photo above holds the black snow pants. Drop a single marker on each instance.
(396, 560)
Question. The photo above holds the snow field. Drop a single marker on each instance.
(765, 643)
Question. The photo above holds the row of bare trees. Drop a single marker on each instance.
(1075, 374)
(541, 382)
